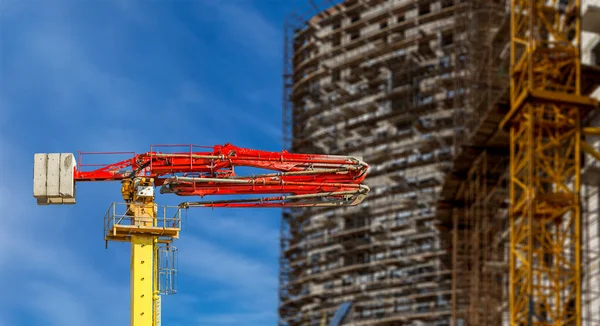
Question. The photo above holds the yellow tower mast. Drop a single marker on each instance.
(149, 235)
(545, 152)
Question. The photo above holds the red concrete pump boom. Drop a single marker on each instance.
(298, 179)
(289, 180)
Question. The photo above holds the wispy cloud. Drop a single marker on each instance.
(247, 283)
(215, 263)
(258, 318)
(247, 27)
(41, 273)
(51, 301)
(57, 92)
(66, 85)
(248, 229)
(43, 270)
(223, 115)
(66, 75)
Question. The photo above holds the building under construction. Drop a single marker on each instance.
(418, 88)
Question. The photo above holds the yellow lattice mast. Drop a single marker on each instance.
(545, 131)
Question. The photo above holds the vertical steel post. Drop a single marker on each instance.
(142, 277)
(545, 132)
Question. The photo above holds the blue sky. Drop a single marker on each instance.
(116, 75)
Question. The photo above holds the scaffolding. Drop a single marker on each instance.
(467, 218)
(479, 238)
(418, 88)
(590, 259)
(544, 121)
(377, 79)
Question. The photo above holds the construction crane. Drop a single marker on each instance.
(545, 159)
(288, 180)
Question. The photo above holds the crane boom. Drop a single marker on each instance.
(312, 180)
(288, 180)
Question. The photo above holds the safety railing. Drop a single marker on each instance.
(179, 148)
(89, 161)
(166, 222)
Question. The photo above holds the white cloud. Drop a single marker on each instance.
(213, 108)
(64, 71)
(213, 262)
(246, 26)
(39, 257)
(261, 125)
(42, 270)
(49, 261)
(51, 302)
(45, 269)
(243, 228)
(252, 282)
(53, 277)
(258, 318)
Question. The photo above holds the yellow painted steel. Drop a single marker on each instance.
(592, 131)
(156, 316)
(545, 132)
(142, 280)
(590, 150)
(141, 228)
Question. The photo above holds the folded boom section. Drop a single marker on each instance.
(296, 179)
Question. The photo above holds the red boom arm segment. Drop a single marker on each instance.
(300, 179)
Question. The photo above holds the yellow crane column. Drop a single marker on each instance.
(142, 210)
(145, 231)
(142, 280)
(545, 132)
